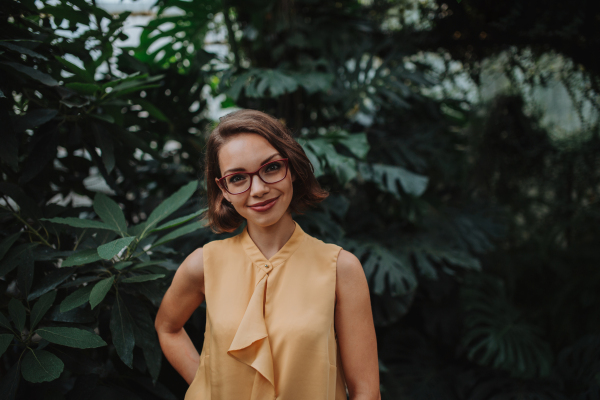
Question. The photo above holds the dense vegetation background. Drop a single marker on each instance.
(459, 141)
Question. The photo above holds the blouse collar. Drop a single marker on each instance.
(257, 257)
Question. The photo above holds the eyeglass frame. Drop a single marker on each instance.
(287, 168)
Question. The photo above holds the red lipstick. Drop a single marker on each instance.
(264, 205)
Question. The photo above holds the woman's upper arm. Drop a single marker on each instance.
(355, 328)
(184, 295)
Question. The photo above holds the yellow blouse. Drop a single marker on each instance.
(270, 323)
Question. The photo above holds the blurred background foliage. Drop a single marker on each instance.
(459, 141)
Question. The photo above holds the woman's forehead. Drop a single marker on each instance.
(245, 150)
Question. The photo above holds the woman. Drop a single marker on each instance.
(288, 316)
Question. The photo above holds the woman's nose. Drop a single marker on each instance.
(258, 186)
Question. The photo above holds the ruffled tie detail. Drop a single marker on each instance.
(251, 345)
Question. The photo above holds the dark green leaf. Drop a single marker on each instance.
(104, 117)
(77, 298)
(25, 273)
(82, 257)
(41, 366)
(153, 110)
(26, 203)
(22, 254)
(83, 88)
(123, 264)
(72, 337)
(10, 382)
(105, 142)
(100, 290)
(145, 334)
(5, 341)
(18, 313)
(111, 249)
(121, 327)
(142, 278)
(179, 221)
(110, 212)
(4, 321)
(184, 230)
(387, 177)
(171, 204)
(357, 143)
(41, 155)
(50, 281)
(40, 308)
(34, 118)
(22, 50)
(33, 73)
(81, 73)
(79, 223)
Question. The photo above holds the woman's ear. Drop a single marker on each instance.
(223, 191)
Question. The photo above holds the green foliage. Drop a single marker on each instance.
(477, 235)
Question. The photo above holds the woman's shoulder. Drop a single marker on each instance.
(193, 265)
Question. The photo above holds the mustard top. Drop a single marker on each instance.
(270, 323)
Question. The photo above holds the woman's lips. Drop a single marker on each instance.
(264, 207)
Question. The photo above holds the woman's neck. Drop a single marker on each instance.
(270, 239)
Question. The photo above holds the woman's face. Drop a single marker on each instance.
(248, 152)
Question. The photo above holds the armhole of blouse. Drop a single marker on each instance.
(337, 257)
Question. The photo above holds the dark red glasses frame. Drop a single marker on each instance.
(255, 173)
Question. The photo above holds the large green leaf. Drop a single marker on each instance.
(142, 278)
(19, 255)
(33, 73)
(82, 257)
(121, 327)
(25, 273)
(385, 270)
(41, 306)
(79, 72)
(41, 366)
(184, 230)
(50, 281)
(7, 243)
(111, 249)
(10, 382)
(79, 223)
(83, 88)
(497, 334)
(145, 334)
(77, 298)
(4, 322)
(110, 212)
(5, 341)
(22, 50)
(168, 206)
(34, 118)
(389, 178)
(72, 337)
(100, 290)
(179, 221)
(18, 313)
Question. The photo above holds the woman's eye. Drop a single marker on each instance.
(236, 178)
(273, 167)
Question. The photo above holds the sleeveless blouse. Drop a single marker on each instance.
(269, 323)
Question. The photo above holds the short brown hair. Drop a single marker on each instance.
(221, 215)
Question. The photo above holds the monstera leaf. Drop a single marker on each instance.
(497, 333)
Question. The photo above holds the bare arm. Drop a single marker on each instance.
(355, 329)
(184, 295)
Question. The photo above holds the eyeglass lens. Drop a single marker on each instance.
(270, 173)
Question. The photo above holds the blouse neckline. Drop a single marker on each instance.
(258, 258)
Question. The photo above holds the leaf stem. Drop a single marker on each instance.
(32, 230)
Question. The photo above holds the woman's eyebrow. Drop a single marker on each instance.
(243, 169)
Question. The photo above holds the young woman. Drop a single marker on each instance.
(288, 316)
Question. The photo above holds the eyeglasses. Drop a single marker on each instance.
(240, 182)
